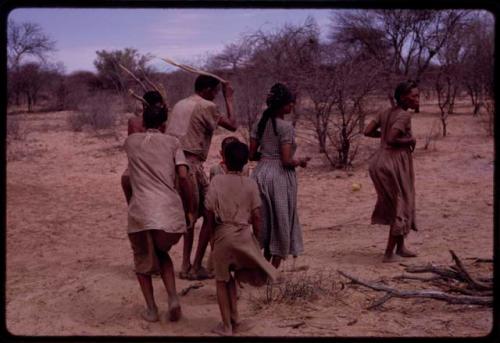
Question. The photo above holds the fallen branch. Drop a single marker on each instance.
(295, 325)
(430, 268)
(392, 292)
(410, 277)
(475, 284)
(484, 260)
(468, 291)
(190, 287)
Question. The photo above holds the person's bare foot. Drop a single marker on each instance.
(223, 330)
(406, 253)
(150, 315)
(243, 325)
(199, 274)
(391, 258)
(184, 272)
(174, 310)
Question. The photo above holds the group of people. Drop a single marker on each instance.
(251, 222)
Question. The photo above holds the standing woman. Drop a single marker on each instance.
(281, 234)
(391, 170)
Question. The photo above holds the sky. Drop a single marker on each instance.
(183, 35)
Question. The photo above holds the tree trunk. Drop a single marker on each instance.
(345, 145)
(443, 122)
(451, 106)
(321, 140)
(477, 106)
(361, 123)
(29, 102)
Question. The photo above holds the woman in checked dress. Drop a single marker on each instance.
(272, 143)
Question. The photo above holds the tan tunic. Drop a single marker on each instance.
(193, 120)
(232, 197)
(155, 204)
(220, 169)
(391, 171)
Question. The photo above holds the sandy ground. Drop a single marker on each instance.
(69, 263)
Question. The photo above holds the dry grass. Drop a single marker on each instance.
(299, 288)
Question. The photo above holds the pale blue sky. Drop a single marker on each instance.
(181, 34)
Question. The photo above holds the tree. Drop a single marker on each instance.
(478, 59)
(404, 42)
(112, 76)
(24, 40)
(27, 39)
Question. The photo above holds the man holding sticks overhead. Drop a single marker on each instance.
(194, 120)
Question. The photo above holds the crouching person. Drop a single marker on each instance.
(156, 219)
(232, 202)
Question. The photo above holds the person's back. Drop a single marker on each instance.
(178, 121)
(152, 160)
(393, 118)
(194, 120)
(234, 196)
(270, 143)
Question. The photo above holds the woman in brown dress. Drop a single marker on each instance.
(391, 170)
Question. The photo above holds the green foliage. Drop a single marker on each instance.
(112, 76)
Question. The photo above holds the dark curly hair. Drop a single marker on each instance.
(155, 112)
(278, 96)
(236, 155)
(402, 89)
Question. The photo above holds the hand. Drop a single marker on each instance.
(303, 161)
(413, 143)
(227, 90)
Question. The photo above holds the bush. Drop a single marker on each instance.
(98, 111)
(14, 131)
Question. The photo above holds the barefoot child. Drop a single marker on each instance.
(232, 202)
(220, 169)
(156, 219)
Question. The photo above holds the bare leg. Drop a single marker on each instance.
(231, 286)
(276, 261)
(127, 188)
(389, 250)
(223, 298)
(168, 277)
(237, 324)
(401, 250)
(151, 313)
(186, 252)
(198, 272)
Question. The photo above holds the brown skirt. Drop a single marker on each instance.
(236, 249)
(147, 245)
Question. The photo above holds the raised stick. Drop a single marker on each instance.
(133, 76)
(192, 70)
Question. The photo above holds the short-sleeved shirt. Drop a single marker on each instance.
(393, 119)
(220, 169)
(270, 143)
(155, 203)
(232, 197)
(193, 120)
